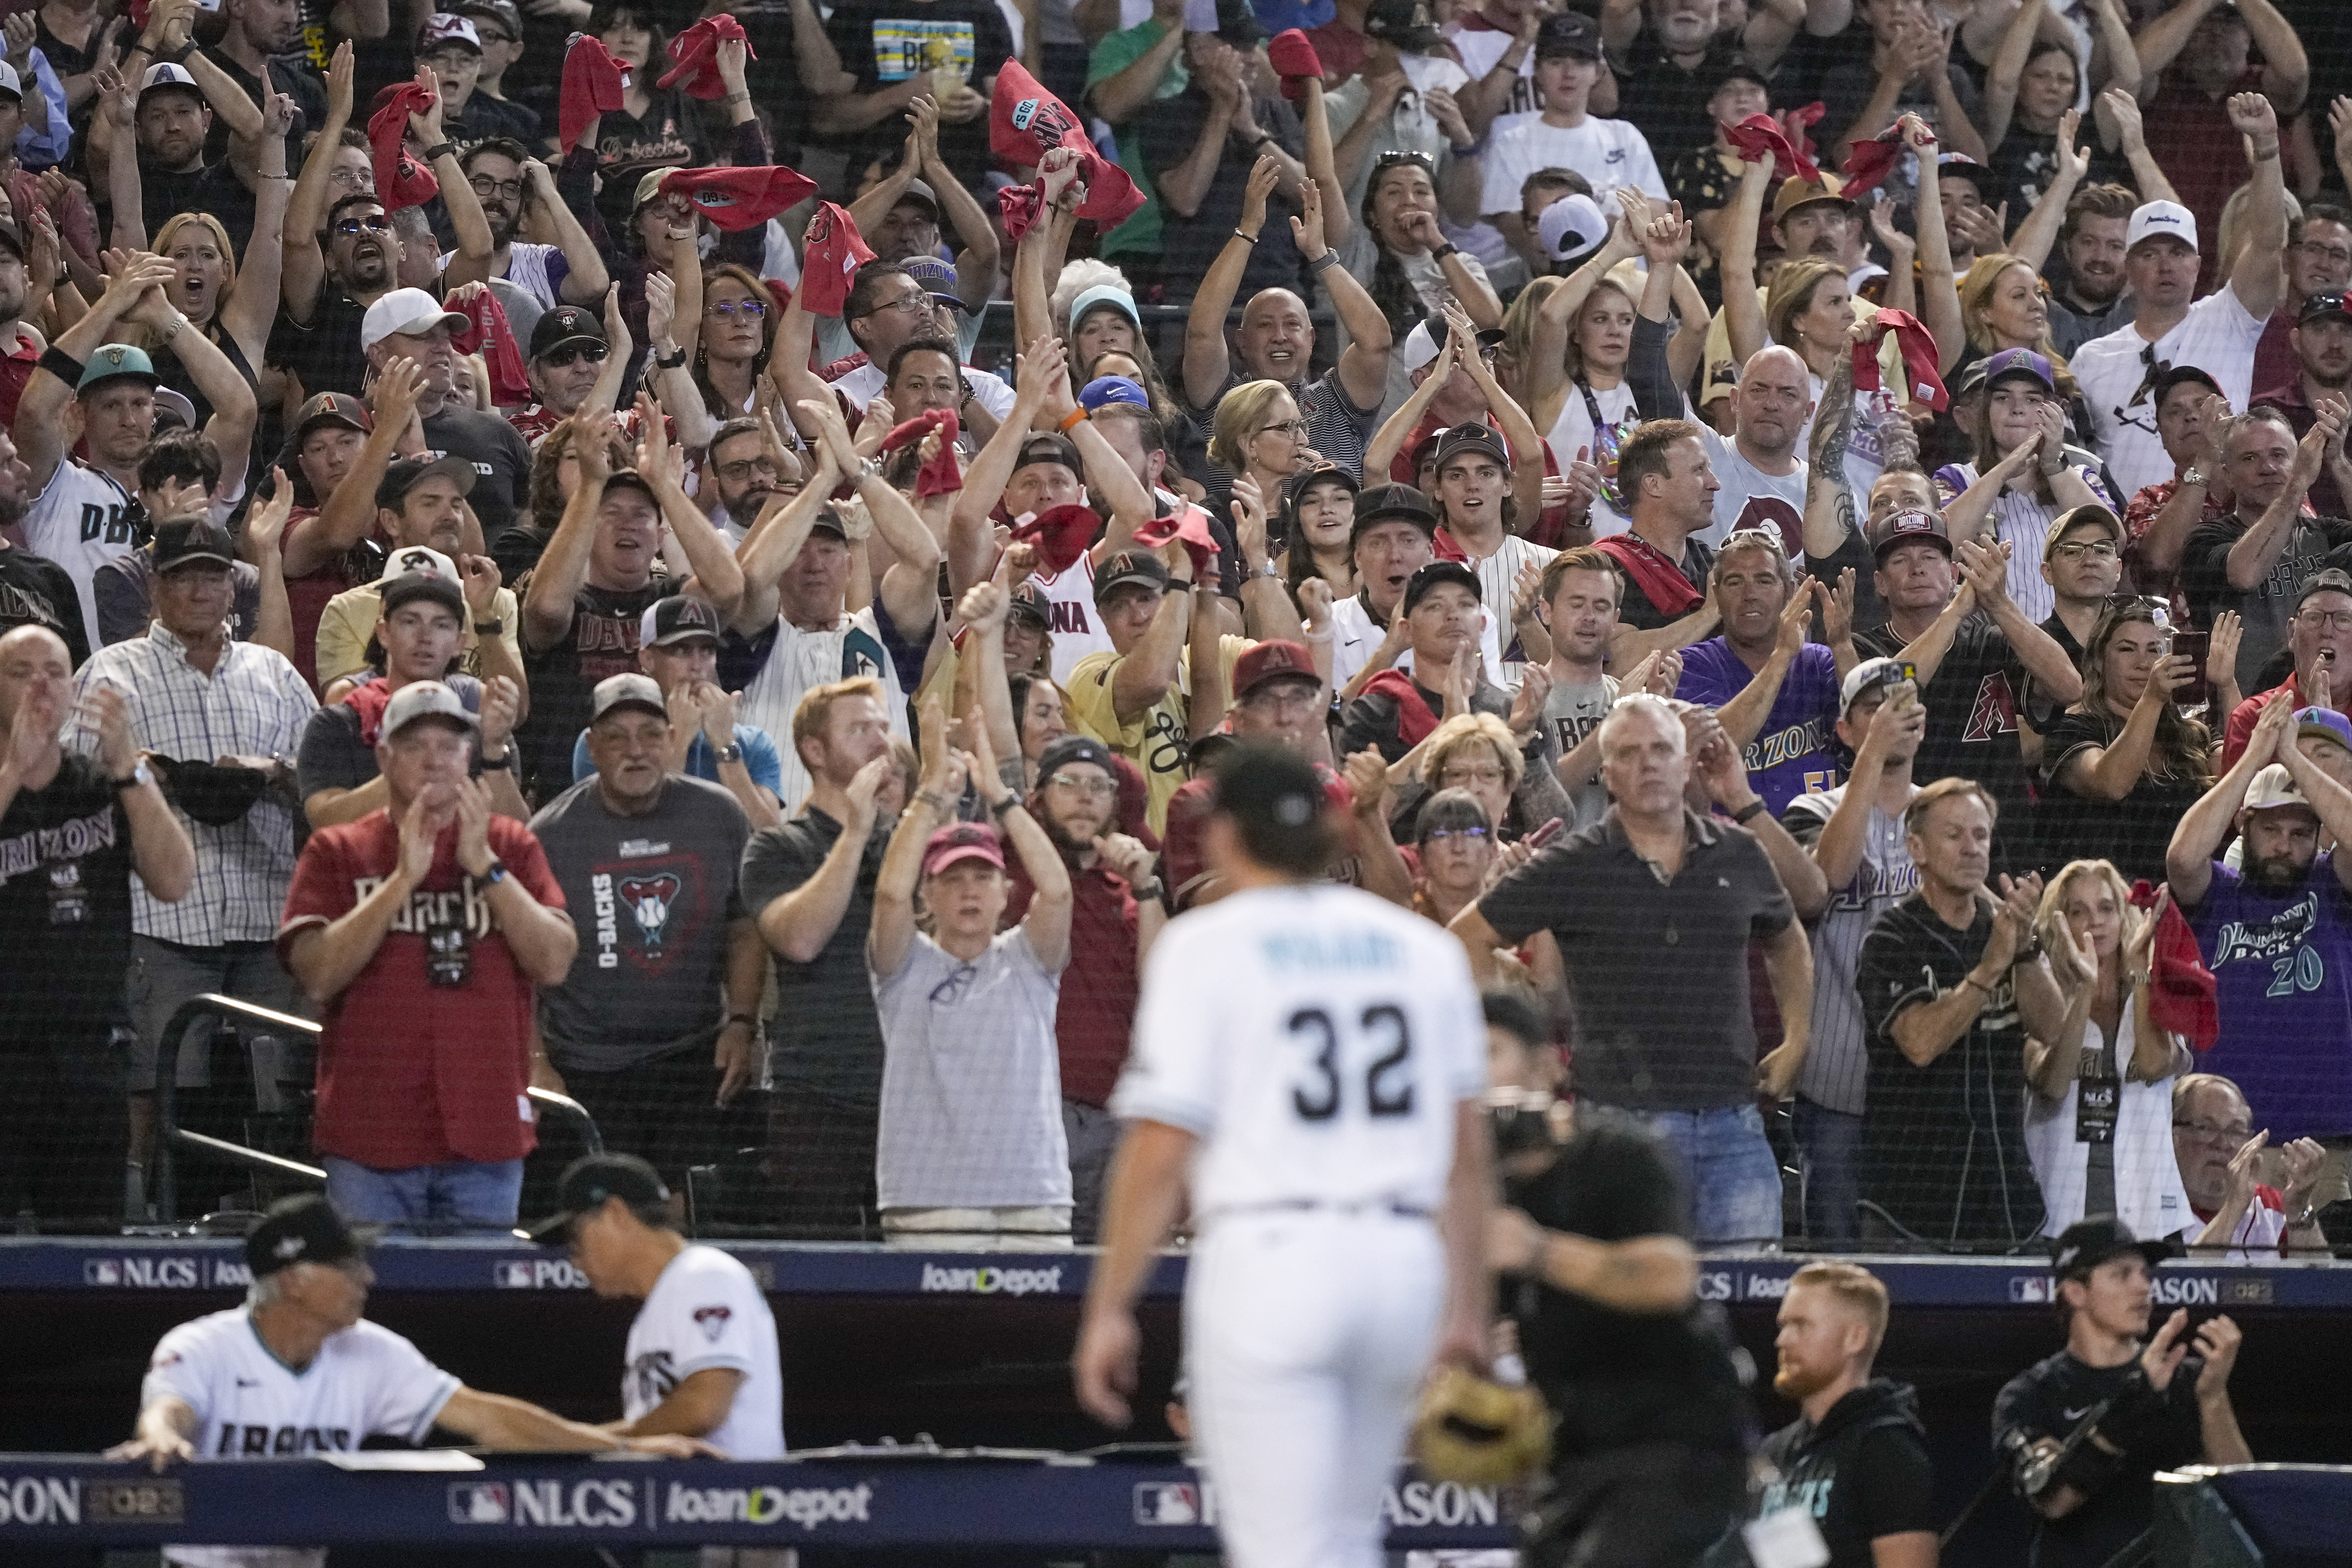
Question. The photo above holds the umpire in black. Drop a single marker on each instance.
(2084, 1431)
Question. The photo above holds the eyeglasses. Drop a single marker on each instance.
(737, 472)
(485, 186)
(2214, 1132)
(357, 179)
(378, 225)
(2332, 620)
(490, 36)
(949, 990)
(1092, 789)
(2096, 549)
(1456, 777)
(562, 359)
(726, 309)
(1471, 835)
(913, 304)
(1294, 428)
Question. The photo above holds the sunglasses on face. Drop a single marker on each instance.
(564, 358)
(347, 227)
(728, 309)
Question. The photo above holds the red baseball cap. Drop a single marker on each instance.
(1272, 660)
(962, 842)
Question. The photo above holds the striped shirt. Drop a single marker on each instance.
(254, 704)
(1837, 1064)
(1497, 578)
(2023, 523)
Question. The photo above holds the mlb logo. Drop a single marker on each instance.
(102, 1271)
(1166, 1503)
(512, 1275)
(478, 1502)
(2031, 1289)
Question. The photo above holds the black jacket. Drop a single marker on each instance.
(1861, 1473)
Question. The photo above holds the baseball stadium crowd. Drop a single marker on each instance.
(1810, 533)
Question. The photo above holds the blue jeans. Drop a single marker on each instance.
(456, 1194)
(1831, 1142)
(1734, 1182)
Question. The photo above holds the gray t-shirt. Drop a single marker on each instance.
(972, 1081)
(653, 896)
(1837, 1062)
(1571, 713)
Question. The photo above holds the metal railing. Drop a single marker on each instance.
(171, 1136)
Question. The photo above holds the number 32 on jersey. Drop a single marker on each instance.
(1379, 1037)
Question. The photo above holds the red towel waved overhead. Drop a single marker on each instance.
(695, 50)
(740, 198)
(1293, 57)
(941, 475)
(489, 335)
(399, 180)
(1062, 534)
(1759, 136)
(1920, 360)
(836, 252)
(593, 84)
(1025, 119)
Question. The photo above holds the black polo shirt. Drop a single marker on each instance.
(1658, 964)
(326, 354)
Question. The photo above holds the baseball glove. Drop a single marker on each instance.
(1478, 1432)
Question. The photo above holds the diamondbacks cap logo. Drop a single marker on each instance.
(712, 1321)
(417, 560)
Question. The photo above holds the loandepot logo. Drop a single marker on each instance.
(994, 1281)
(807, 1507)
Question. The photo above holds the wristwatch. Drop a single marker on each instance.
(495, 627)
(669, 361)
(133, 780)
(730, 752)
(2192, 474)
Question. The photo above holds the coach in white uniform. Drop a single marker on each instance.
(1321, 1052)
(297, 1370)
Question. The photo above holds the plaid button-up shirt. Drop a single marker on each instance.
(254, 704)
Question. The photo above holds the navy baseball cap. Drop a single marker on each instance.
(302, 1229)
(1436, 573)
(587, 1182)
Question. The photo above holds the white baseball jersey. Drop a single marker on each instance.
(82, 521)
(1316, 1040)
(250, 1404)
(706, 1311)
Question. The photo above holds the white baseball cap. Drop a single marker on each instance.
(424, 699)
(1420, 348)
(2275, 787)
(10, 83)
(1572, 228)
(163, 76)
(2150, 219)
(441, 27)
(409, 312)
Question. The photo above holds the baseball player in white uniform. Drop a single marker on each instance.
(297, 1370)
(1313, 1057)
(703, 1361)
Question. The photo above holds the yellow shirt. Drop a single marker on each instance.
(1156, 740)
(350, 618)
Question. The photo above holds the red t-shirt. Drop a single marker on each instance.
(412, 1073)
(1097, 1012)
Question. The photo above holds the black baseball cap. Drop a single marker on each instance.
(2327, 580)
(1391, 502)
(1402, 24)
(1237, 24)
(405, 474)
(1131, 566)
(1437, 572)
(302, 1229)
(1568, 33)
(1269, 785)
(1476, 436)
(1050, 446)
(1324, 472)
(2316, 306)
(587, 1182)
(563, 325)
(1062, 750)
(2087, 1243)
(2179, 373)
(678, 619)
(185, 543)
(1029, 602)
(1738, 67)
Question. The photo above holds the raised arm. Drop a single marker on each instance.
(1047, 923)
(1144, 674)
(304, 269)
(1547, 335)
(891, 936)
(717, 578)
(41, 440)
(1207, 361)
(2161, 41)
(775, 538)
(2000, 99)
(1939, 297)
(1364, 367)
(1118, 95)
(2207, 825)
(347, 514)
(909, 590)
(2257, 274)
(555, 582)
(1743, 305)
(800, 923)
(1387, 441)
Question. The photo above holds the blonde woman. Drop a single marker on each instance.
(1259, 434)
(2098, 1113)
(2004, 306)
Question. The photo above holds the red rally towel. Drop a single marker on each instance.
(740, 198)
(1025, 119)
(1414, 721)
(1062, 534)
(1294, 58)
(695, 50)
(489, 335)
(1660, 579)
(2182, 996)
(369, 699)
(1870, 161)
(1920, 360)
(941, 475)
(399, 180)
(1760, 136)
(592, 83)
(1188, 526)
(1019, 206)
(836, 252)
